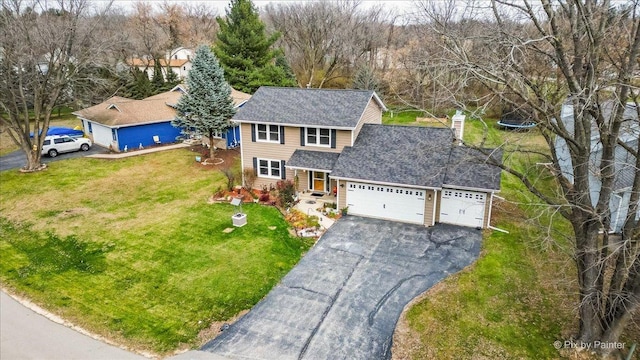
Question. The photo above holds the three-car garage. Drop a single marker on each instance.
(414, 205)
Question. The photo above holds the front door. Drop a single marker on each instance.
(319, 181)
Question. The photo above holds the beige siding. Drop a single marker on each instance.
(428, 207)
(342, 194)
(372, 115)
(487, 209)
(439, 195)
(276, 151)
(303, 180)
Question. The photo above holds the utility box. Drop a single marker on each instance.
(239, 219)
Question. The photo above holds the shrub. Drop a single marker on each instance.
(264, 197)
(286, 192)
(249, 176)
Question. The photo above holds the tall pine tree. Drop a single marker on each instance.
(207, 106)
(245, 50)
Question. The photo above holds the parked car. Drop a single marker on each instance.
(57, 144)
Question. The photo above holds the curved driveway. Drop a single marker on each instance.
(343, 299)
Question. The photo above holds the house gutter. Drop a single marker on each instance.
(384, 183)
(293, 125)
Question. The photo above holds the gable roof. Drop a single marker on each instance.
(119, 111)
(312, 160)
(397, 155)
(316, 107)
(414, 156)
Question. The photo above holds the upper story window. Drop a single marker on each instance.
(318, 137)
(270, 133)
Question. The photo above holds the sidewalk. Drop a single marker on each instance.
(139, 152)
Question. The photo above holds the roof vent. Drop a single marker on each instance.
(113, 106)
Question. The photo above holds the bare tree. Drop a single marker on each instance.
(201, 23)
(45, 48)
(325, 41)
(583, 54)
(148, 38)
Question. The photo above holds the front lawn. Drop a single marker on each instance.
(131, 250)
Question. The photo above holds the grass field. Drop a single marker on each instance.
(130, 249)
(519, 297)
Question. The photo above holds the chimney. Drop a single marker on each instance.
(457, 124)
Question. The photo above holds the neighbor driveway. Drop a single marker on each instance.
(343, 299)
(18, 159)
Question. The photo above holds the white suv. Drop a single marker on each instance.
(57, 144)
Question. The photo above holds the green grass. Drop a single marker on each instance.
(130, 248)
(401, 117)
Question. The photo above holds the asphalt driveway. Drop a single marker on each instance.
(343, 299)
(17, 159)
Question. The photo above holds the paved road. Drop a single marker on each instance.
(343, 299)
(17, 159)
(25, 334)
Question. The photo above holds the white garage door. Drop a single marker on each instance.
(462, 207)
(386, 202)
(102, 135)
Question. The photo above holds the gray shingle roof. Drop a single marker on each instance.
(318, 107)
(314, 160)
(397, 154)
(418, 156)
(471, 168)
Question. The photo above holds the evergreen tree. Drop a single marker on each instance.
(208, 105)
(243, 46)
(171, 80)
(139, 86)
(365, 79)
(157, 81)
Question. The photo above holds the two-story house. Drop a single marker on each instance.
(333, 141)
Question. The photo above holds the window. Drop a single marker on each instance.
(269, 168)
(90, 129)
(270, 133)
(113, 135)
(318, 137)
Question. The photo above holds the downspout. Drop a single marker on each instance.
(490, 210)
(435, 206)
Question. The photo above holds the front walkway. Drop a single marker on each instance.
(134, 152)
(343, 299)
(309, 205)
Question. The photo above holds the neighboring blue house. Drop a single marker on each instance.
(120, 123)
(624, 162)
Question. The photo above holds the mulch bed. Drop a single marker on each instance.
(228, 157)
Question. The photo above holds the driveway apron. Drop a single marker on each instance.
(343, 299)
